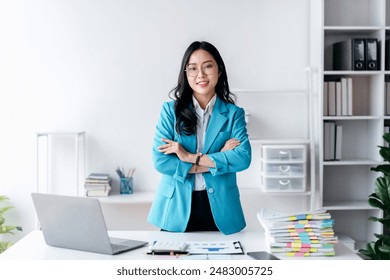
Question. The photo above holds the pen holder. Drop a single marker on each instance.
(126, 185)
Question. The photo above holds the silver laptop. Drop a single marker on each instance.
(77, 223)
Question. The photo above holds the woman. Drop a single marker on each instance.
(200, 143)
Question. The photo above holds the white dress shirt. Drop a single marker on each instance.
(201, 127)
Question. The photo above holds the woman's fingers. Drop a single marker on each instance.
(170, 147)
(230, 144)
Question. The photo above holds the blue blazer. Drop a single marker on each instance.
(172, 205)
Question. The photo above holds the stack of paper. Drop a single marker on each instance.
(97, 184)
(299, 234)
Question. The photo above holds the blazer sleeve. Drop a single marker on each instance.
(239, 158)
(168, 164)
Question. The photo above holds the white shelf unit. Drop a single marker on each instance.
(44, 142)
(344, 185)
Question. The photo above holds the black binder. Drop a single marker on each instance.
(349, 55)
(387, 54)
(372, 54)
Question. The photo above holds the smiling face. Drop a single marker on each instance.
(202, 75)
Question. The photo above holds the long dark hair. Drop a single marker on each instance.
(186, 117)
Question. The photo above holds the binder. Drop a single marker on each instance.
(387, 54)
(339, 142)
(332, 140)
(331, 98)
(387, 99)
(372, 54)
(326, 141)
(325, 98)
(338, 98)
(168, 247)
(349, 55)
(350, 107)
(344, 97)
(329, 140)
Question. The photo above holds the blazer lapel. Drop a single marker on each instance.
(217, 120)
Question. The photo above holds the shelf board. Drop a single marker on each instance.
(351, 30)
(352, 27)
(347, 205)
(353, 73)
(350, 118)
(138, 197)
(352, 162)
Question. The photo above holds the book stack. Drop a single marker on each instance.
(97, 184)
(387, 98)
(300, 235)
(333, 141)
(338, 97)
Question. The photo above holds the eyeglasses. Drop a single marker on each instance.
(208, 69)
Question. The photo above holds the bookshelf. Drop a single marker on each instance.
(345, 184)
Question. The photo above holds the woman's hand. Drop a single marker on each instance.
(172, 147)
(230, 144)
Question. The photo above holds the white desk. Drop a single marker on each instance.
(33, 246)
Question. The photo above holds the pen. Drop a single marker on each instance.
(170, 253)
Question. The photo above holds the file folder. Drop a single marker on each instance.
(349, 55)
(387, 54)
(372, 54)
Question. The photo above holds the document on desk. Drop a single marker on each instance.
(214, 247)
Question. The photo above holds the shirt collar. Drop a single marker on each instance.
(210, 106)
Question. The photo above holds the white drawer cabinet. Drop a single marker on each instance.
(284, 153)
(271, 184)
(277, 169)
(283, 168)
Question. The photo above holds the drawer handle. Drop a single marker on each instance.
(284, 168)
(285, 154)
(284, 182)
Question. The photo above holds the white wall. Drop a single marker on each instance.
(105, 67)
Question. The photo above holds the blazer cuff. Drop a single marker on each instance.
(182, 170)
(220, 162)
